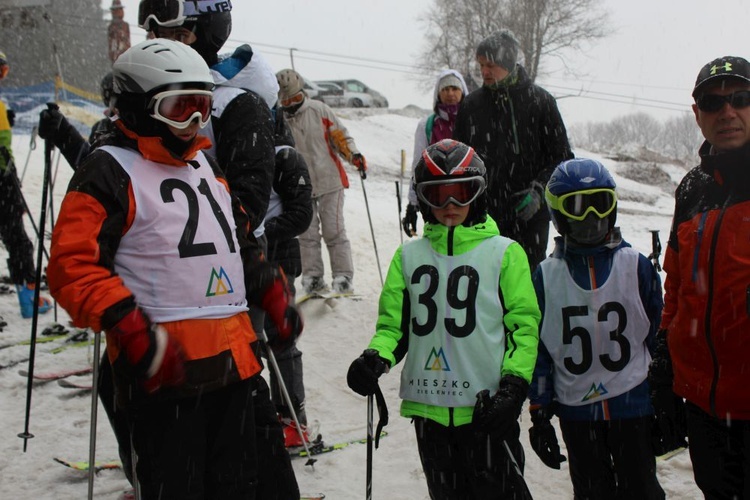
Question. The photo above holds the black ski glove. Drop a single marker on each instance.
(51, 121)
(670, 427)
(11, 117)
(543, 438)
(364, 372)
(409, 222)
(498, 414)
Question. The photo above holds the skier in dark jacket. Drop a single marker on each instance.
(515, 126)
(289, 215)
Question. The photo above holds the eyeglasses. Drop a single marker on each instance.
(579, 204)
(297, 98)
(166, 13)
(180, 107)
(461, 191)
(711, 103)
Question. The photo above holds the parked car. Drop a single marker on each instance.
(359, 95)
(331, 94)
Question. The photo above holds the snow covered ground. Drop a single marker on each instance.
(334, 336)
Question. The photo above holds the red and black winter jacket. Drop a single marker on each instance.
(707, 302)
(97, 211)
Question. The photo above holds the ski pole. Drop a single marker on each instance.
(369, 218)
(48, 147)
(287, 398)
(368, 491)
(398, 197)
(520, 482)
(32, 147)
(94, 408)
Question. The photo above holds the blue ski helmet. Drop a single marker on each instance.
(578, 189)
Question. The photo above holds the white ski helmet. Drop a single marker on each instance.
(290, 82)
(148, 68)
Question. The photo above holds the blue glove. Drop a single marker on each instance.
(529, 201)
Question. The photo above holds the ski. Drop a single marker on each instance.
(328, 296)
(317, 448)
(84, 465)
(63, 382)
(46, 377)
(49, 334)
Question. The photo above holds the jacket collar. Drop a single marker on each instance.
(729, 168)
(152, 148)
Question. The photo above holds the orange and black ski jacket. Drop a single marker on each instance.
(97, 211)
(707, 302)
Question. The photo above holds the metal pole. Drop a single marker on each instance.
(272, 359)
(94, 408)
(370, 405)
(32, 147)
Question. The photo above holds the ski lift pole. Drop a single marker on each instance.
(398, 197)
(48, 147)
(372, 231)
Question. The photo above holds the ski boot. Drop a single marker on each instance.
(26, 301)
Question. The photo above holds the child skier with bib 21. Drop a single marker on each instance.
(458, 308)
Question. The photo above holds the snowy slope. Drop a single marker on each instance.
(333, 337)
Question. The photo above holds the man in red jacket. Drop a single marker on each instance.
(706, 316)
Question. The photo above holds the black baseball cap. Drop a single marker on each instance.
(722, 68)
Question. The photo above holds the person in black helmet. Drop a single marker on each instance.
(242, 126)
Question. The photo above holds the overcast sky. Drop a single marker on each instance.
(654, 52)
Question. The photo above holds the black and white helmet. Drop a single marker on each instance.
(210, 20)
(148, 68)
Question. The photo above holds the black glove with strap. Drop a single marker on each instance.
(543, 438)
(51, 121)
(364, 372)
(409, 222)
(497, 415)
(670, 427)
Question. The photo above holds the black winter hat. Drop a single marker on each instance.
(721, 68)
(501, 47)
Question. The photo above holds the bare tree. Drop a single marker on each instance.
(545, 28)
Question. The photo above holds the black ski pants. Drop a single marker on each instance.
(612, 459)
(20, 249)
(197, 448)
(720, 452)
(459, 466)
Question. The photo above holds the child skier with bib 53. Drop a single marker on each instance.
(601, 303)
(459, 307)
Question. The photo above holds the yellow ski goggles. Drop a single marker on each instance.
(577, 205)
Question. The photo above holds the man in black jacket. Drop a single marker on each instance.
(516, 128)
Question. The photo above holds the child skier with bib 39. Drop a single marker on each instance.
(601, 303)
(459, 308)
